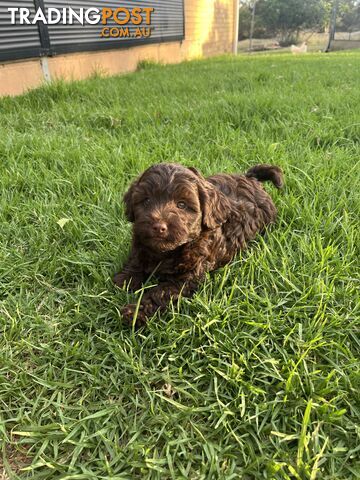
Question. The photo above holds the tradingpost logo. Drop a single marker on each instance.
(115, 21)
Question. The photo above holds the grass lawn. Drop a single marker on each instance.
(257, 376)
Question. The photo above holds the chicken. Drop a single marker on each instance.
(302, 49)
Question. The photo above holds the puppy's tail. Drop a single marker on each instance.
(267, 172)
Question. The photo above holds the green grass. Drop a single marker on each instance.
(257, 376)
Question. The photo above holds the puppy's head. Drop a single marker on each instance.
(171, 205)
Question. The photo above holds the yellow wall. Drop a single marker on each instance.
(209, 30)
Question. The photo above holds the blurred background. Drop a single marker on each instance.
(320, 24)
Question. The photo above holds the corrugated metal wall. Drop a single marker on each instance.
(20, 41)
(17, 41)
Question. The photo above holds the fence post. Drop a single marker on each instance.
(43, 29)
(236, 27)
(332, 25)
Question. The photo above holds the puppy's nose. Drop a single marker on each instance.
(159, 228)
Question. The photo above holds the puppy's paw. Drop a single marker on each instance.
(128, 313)
(123, 280)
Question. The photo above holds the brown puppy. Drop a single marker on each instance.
(186, 225)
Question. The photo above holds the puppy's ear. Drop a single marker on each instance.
(128, 201)
(214, 204)
(196, 171)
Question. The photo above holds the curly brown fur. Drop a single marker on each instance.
(185, 225)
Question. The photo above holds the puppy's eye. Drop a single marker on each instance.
(146, 202)
(181, 205)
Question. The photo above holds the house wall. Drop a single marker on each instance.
(209, 30)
